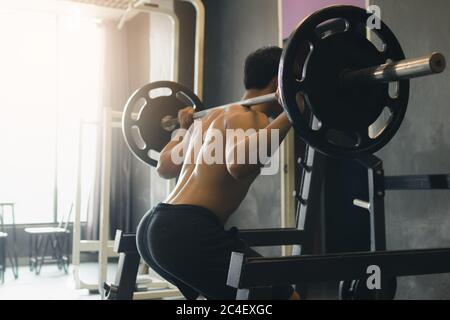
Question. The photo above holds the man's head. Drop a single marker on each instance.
(261, 68)
(261, 71)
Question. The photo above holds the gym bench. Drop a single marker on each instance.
(124, 286)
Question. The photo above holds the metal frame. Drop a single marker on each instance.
(103, 246)
(124, 286)
(287, 160)
(109, 123)
(2, 257)
(375, 206)
(176, 35)
(309, 198)
(248, 273)
(264, 272)
(127, 269)
(149, 8)
(112, 120)
(424, 182)
(199, 46)
(12, 255)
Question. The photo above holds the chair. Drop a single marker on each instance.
(41, 240)
(8, 250)
(3, 237)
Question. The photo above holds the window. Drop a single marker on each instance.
(79, 62)
(49, 77)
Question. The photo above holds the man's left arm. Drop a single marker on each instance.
(264, 134)
(171, 157)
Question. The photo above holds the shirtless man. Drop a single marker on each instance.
(183, 239)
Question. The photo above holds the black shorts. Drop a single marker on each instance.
(189, 247)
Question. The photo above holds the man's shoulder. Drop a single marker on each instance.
(244, 118)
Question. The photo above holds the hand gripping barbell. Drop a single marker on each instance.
(344, 78)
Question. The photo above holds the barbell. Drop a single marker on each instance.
(349, 86)
(394, 71)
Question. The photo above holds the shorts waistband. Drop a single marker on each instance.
(183, 208)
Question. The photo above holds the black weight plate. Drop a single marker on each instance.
(346, 290)
(146, 121)
(357, 290)
(351, 109)
(345, 116)
(387, 291)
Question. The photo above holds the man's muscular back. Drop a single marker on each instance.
(213, 186)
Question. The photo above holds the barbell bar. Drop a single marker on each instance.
(406, 69)
(433, 63)
(169, 123)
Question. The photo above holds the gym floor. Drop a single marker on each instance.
(51, 284)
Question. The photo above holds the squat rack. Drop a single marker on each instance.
(246, 273)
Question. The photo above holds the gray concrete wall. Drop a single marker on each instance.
(420, 219)
(235, 28)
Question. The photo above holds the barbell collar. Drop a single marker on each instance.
(395, 71)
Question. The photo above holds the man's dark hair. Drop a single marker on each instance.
(261, 67)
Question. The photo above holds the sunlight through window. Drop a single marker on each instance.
(49, 64)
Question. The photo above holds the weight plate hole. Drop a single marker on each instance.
(316, 124)
(332, 26)
(301, 103)
(377, 40)
(137, 108)
(394, 89)
(342, 139)
(380, 125)
(303, 54)
(183, 97)
(152, 154)
(137, 138)
(160, 92)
